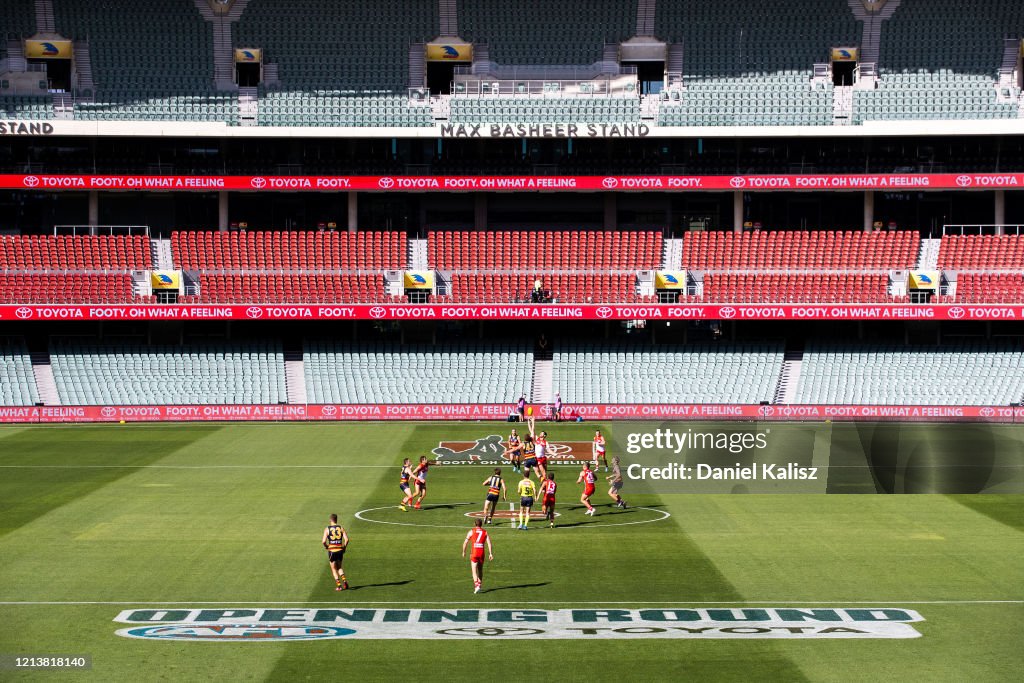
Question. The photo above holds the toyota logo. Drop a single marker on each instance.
(610, 182)
(378, 312)
(31, 181)
(604, 312)
(963, 180)
(386, 183)
(767, 410)
(258, 182)
(107, 411)
(956, 313)
(727, 312)
(23, 312)
(329, 410)
(738, 182)
(987, 412)
(254, 312)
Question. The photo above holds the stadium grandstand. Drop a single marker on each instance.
(443, 201)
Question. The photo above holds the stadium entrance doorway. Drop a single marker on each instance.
(58, 73)
(651, 76)
(844, 73)
(440, 76)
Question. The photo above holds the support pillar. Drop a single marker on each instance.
(353, 211)
(869, 210)
(222, 211)
(480, 211)
(94, 211)
(737, 211)
(1000, 213)
(611, 211)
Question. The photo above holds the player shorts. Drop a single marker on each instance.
(543, 462)
(492, 497)
(589, 490)
(477, 558)
(549, 502)
(526, 502)
(335, 556)
(404, 488)
(422, 484)
(616, 485)
(530, 462)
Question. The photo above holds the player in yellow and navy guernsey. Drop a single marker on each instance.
(527, 492)
(515, 450)
(403, 485)
(335, 539)
(495, 486)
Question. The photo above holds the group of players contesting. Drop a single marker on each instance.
(527, 454)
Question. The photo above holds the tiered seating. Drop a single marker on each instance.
(151, 60)
(72, 288)
(547, 32)
(988, 288)
(611, 372)
(335, 108)
(137, 374)
(779, 99)
(322, 43)
(981, 252)
(381, 372)
(527, 110)
(264, 288)
(942, 95)
(17, 18)
(65, 252)
(952, 374)
(17, 382)
(817, 250)
(577, 288)
(30, 107)
(814, 288)
(544, 251)
(308, 251)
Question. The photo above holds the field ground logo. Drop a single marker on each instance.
(256, 632)
(23, 313)
(963, 180)
(258, 182)
(31, 181)
(254, 312)
(255, 624)
(957, 312)
(490, 450)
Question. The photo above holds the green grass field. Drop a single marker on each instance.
(99, 519)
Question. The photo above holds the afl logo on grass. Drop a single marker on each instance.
(249, 633)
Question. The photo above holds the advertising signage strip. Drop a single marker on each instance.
(739, 311)
(803, 183)
(500, 411)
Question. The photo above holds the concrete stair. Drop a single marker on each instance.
(645, 10)
(295, 375)
(248, 107)
(928, 256)
(45, 23)
(789, 376)
(541, 390)
(448, 12)
(46, 385)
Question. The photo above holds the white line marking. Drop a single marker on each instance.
(195, 467)
(359, 515)
(678, 603)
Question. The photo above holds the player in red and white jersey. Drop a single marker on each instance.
(420, 481)
(599, 450)
(547, 497)
(479, 538)
(541, 443)
(588, 479)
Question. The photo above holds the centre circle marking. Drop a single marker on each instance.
(592, 525)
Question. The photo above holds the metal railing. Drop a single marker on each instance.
(982, 229)
(76, 230)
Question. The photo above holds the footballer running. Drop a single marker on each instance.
(495, 486)
(335, 540)
(478, 535)
(588, 480)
